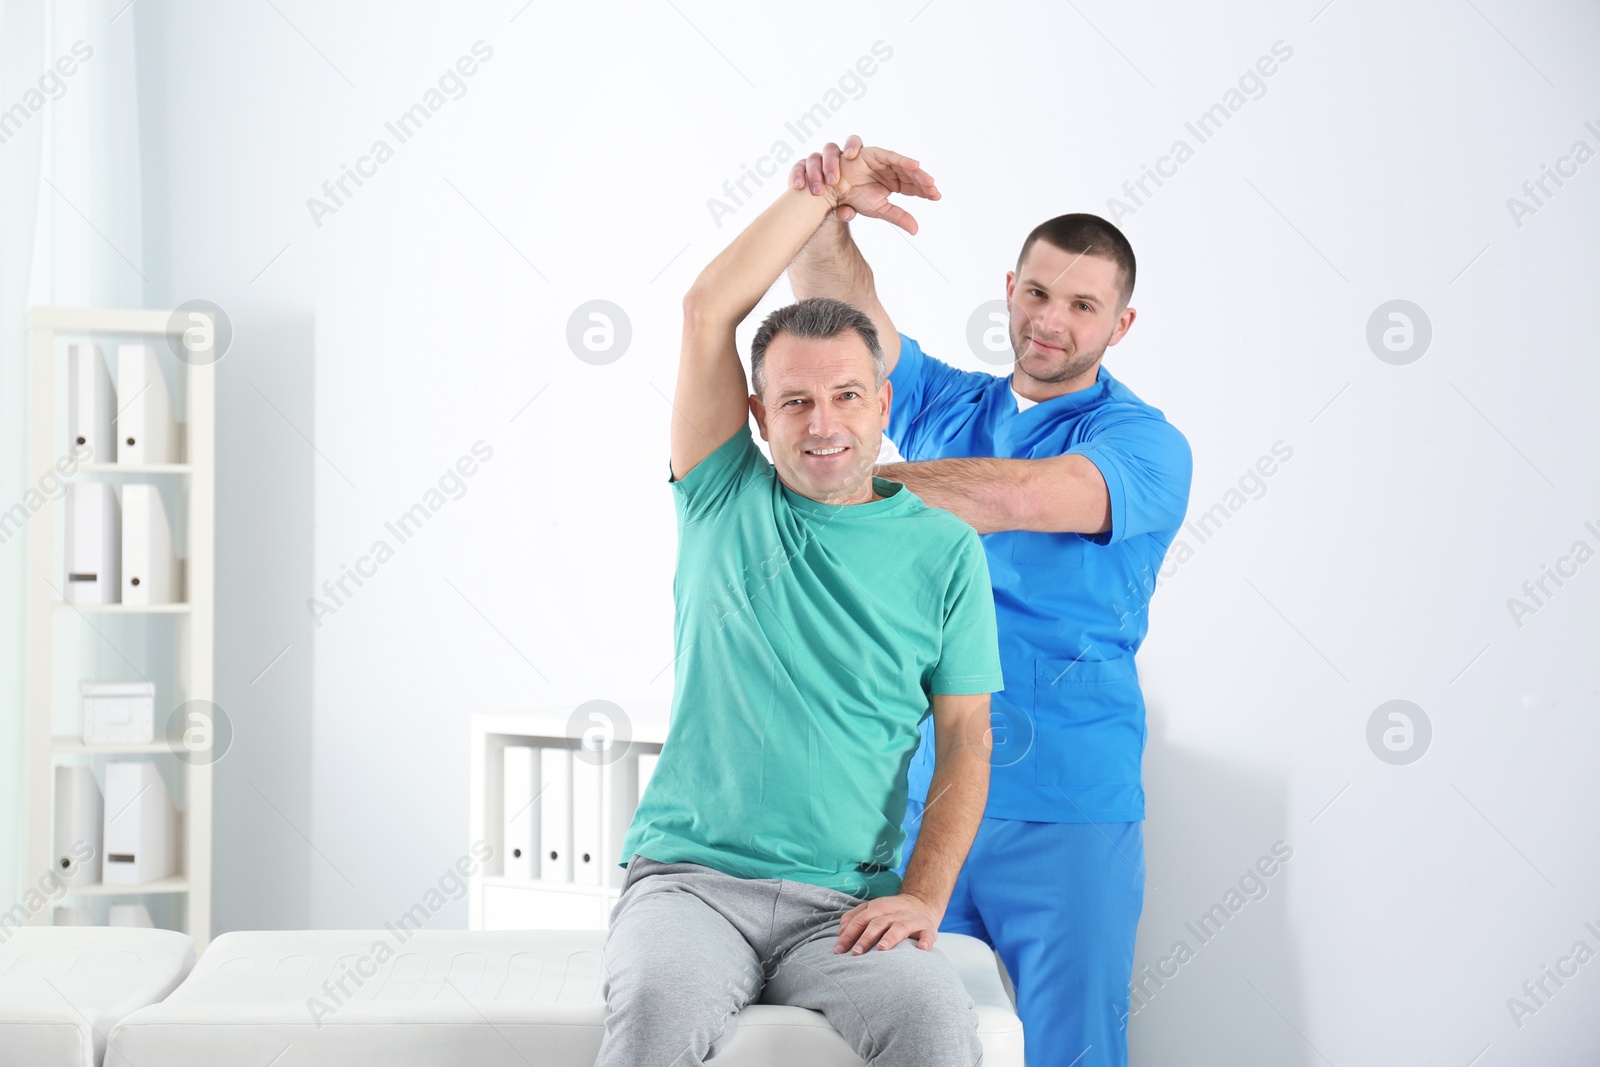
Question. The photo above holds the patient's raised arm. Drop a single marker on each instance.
(712, 399)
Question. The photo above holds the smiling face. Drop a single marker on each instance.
(1065, 313)
(823, 413)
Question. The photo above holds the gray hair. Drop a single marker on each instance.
(818, 317)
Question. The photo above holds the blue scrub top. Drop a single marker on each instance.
(1069, 727)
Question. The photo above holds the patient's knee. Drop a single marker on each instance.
(934, 1026)
(662, 1009)
(653, 991)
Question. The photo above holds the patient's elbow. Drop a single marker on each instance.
(696, 303)
(704, 309)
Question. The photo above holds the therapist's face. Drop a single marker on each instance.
(1064, 315)
(824, 415)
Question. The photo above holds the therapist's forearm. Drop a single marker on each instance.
(985, 493)
(831, 265)
(956, 798)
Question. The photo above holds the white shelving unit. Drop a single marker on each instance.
(193, 482)
(497, 902)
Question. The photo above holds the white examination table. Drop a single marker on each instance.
(525, 998)
(63, 988)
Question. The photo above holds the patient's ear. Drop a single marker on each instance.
(758, 411)
(885, 400)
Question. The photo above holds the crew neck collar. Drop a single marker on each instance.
(894, 495)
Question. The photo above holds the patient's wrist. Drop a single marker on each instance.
(931, 900)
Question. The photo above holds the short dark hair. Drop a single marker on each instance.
(1087, 235)
(815, 317)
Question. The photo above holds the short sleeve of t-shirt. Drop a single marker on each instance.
(925, 390)
(969, 652)
(720, 476)
(1147, 465)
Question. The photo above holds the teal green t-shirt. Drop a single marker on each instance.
(809, 640)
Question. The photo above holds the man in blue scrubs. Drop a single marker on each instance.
(1078, 487)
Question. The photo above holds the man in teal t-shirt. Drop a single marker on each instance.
(822, 615)
(809, 637)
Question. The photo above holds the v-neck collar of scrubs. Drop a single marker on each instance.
(1067, 403)
(1023, 430)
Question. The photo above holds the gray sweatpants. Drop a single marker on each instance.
(689, 946)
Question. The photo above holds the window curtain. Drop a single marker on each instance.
(70, 235)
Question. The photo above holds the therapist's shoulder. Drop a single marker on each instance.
(909, 356)
(915, 365)
(1124, 414)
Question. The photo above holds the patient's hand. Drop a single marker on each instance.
(886, 921)
(863, 178)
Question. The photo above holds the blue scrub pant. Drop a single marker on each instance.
(1060, 902)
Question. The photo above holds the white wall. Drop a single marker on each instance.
(423, 314)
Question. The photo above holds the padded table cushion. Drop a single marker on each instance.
(63, 988)
(489, 998)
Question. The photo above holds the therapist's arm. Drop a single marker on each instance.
(956, 798)
(830, 264)
(1058, 494)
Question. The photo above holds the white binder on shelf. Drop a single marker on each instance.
(586, 808)
(555, 814)
(79, 825)
(72, 915)
(93, 544)
(91, 404)
(147, 431)
(150, 572)
(647, 767)
(141, 824)
(520, 846)
(622, 795)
